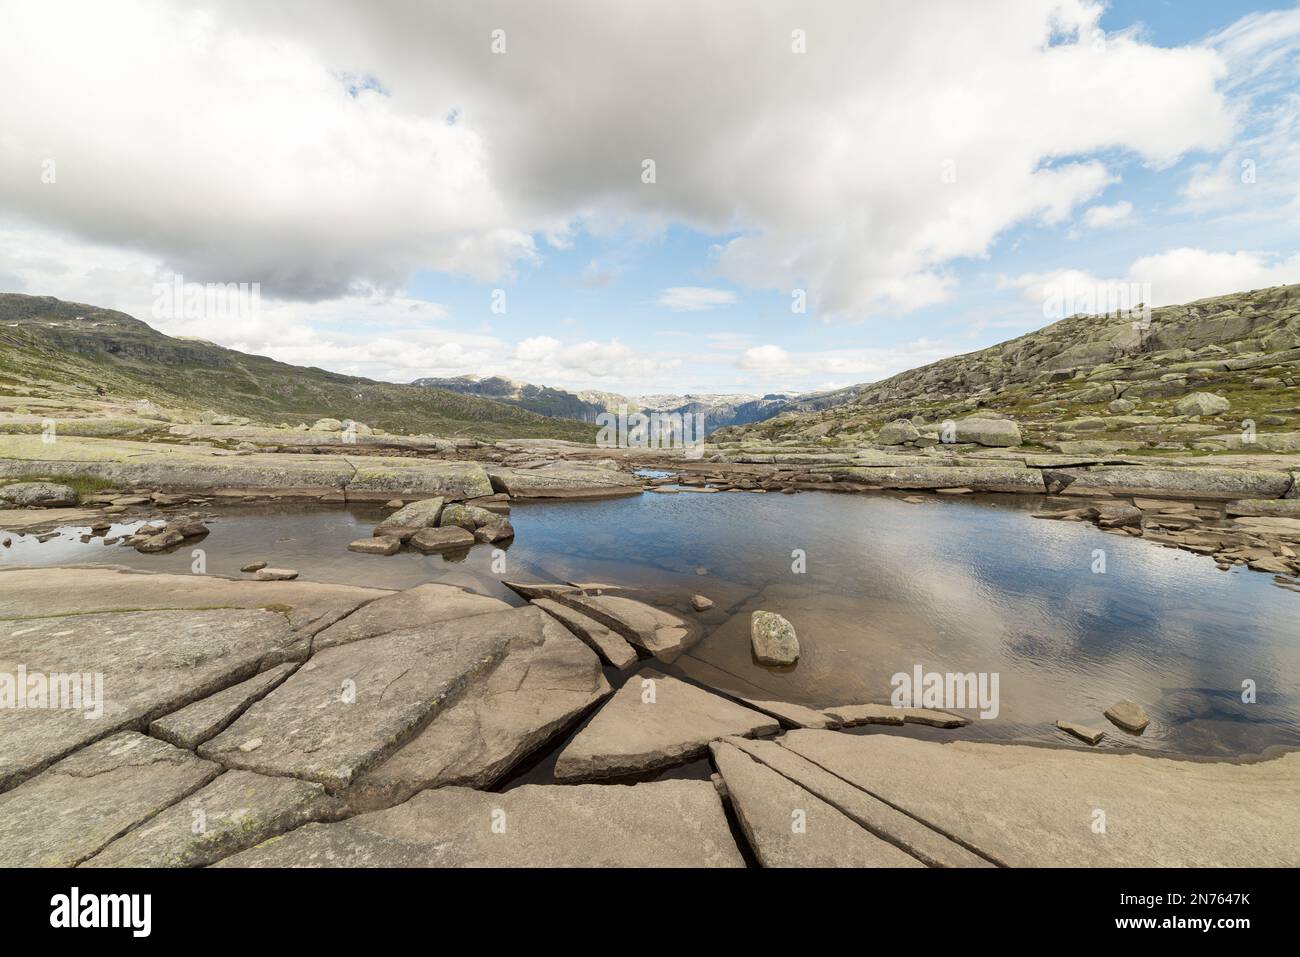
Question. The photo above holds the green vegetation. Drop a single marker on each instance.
(78, 348)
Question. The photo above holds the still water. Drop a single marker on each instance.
(874, 586)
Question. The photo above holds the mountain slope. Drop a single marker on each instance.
(77, 348)
(1094, 375)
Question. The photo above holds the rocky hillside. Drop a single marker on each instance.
(1213, 375)
(50, 347)
(719, 411)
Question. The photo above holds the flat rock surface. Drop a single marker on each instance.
(922, 843)
(74, 808)
(611, 647)
(660, 824)
(234, 812)
(353, 705)
(789, 827)
(1035, 806)
(195, 723)
(398, 611)
(149, 663)
(564, 480)
(654, 721)
(546, 680)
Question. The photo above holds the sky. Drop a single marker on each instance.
(731, 197)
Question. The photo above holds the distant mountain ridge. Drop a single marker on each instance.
(719, 410)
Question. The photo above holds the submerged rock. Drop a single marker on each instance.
(773, 639)
(376, 545)
(1128, 715)
(1090, 735)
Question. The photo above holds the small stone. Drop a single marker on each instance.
(276, 574)
(700, 603)
(1128, 715)
(431, 540)
(253, 567)
(773, 639)
(1090, 735)
(394, 503)
(376, 546)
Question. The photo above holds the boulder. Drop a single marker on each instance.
(1129, 715)
(432, 540)
(326, 425)
(1122, 406)
(530, 826)
(654, 721)
(989, 432)
(234, 812)
(421, 514)
(898, 432)
(376, 545)
(1202, 403)
(773, 639)
(37, 495)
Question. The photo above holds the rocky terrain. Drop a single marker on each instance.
(719, 411)
(1214, 376)
(273, 721)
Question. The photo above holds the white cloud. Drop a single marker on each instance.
(223, 144)
(1102, 217)
(695, 298)
(797, 370)
(1172, 277)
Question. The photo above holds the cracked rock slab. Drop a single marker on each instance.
(530, 826)
(925, 844)
(234, 812)
(611, 647)
(661, 633)
(789, 827)
(148, 663)
(353, 705)
(202, 720)
(73, 809)
(654, 721)
(545, 681)
(1026, 806)
(399, 611)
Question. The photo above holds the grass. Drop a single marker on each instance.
(83, 485)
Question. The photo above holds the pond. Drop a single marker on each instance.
(874, 586)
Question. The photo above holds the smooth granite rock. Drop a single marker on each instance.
(789, 827)
(399, 611)
(236, 811)
(662, 633)
(654, 721)
(660, 824)
(204, 719)
(611, 647)
(353, 705)
(73, 809)
(544, 682)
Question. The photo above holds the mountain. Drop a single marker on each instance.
(1095, 380)
(719, 410)
(47, 343)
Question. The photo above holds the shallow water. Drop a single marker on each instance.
(953, 585)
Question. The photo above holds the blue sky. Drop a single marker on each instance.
(926, 203)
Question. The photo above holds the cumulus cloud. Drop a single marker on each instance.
(843, 366)
(856, 170)
(1101, 217)
(1169, 278)
(695, 298)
